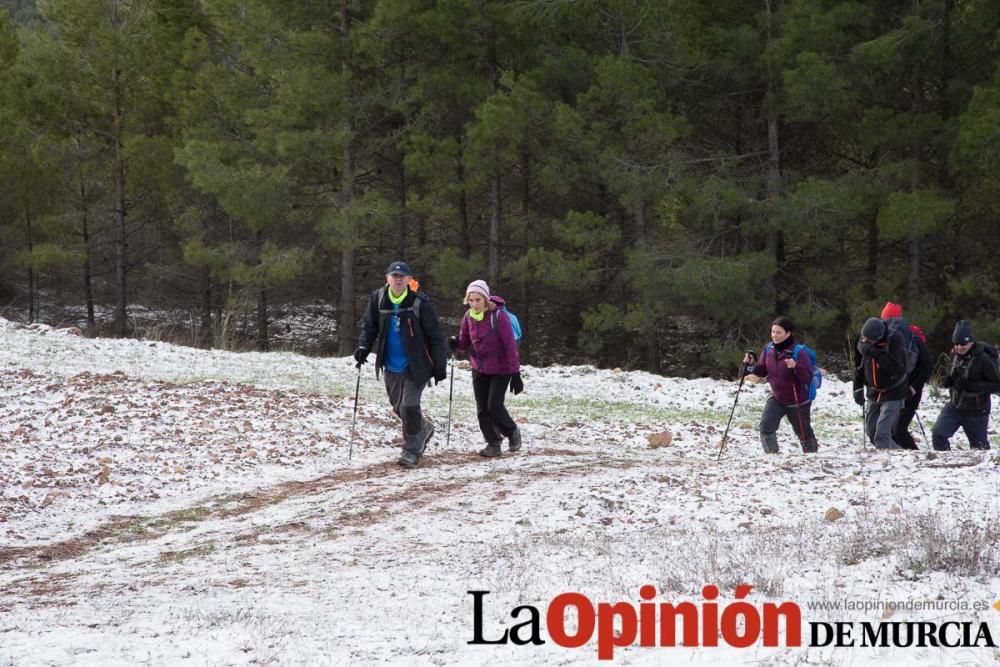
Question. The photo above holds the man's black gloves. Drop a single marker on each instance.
(859, 396)
(516, 384)
(440, 376)
(453, 343)
(360, 355)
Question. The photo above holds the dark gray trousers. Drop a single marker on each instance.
(404, 395)
(975, 425)
(880, 422)
(798, 417)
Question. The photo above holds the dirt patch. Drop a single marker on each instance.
(129, 529)
(118, 530)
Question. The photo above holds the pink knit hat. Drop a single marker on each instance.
(479, 287)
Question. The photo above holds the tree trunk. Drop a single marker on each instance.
(494, 237)
(917, 96)
(641, 233)
(118, 137)
(121, 299)
(403, 215)
(871, 267)
(205, 289)
(650, 339)
(524, 305)
(88, 281)
(346, 310)
(775, 241)
(463, 211)
(495, 204)
(32, 296)
(262, 340)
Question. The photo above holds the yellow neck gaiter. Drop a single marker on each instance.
(477, 315)
(396, 300)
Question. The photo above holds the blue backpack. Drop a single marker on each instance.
(817, 376)
(515, 323)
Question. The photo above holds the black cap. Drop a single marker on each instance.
(962, 333)
(398, 267)
(874, 329)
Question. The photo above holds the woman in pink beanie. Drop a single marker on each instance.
(488, 335)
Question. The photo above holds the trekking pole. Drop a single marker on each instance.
(920, 423)
(354, 419)
(743, 375)
(864, 424)
(451, 392)
(798, 409)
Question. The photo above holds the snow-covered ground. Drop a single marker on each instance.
(168, 505)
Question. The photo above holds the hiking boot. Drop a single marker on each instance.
(514, 441)
(810, 446)
(491, 450)
(408, 459)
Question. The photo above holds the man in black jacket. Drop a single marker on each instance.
(972, 376)
(921, 373)
(882, 372)
(400, 323)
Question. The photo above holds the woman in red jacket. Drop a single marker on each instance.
(488, 335)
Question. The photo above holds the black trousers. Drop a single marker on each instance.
(494, 420)
(901, 434)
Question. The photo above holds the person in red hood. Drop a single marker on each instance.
(488, 334)
(917, 379)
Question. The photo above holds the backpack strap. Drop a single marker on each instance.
(390, 310)
(493, 331)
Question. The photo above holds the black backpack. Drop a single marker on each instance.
(910, 344)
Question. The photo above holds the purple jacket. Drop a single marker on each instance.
(778, 375)
(493, 350)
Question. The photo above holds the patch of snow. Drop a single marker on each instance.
(165, 504)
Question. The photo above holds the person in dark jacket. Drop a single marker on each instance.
(972, 376)
(401, 325)
(488, 335)
(881, 376)
(788, 373)
(917, 379)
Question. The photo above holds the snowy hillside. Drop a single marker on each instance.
(167, 505)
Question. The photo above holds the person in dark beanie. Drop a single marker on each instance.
(410, 351)
(788, 370)
(972, 376)
(488, 335)
(922, 370)
(880, 381)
